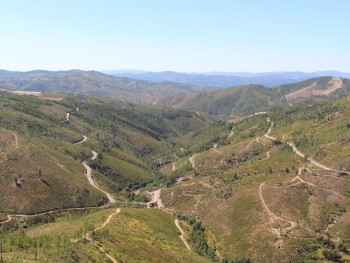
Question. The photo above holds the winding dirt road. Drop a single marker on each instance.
(88, 173)
(158, 202)
(292, 223)
(88, 237)
(267, 134)
(315, 186)
(298, 152)
(11, 216)
(183, 235)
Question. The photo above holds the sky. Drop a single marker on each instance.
(177, 35)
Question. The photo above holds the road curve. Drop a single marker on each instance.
(82, 140)
(292, 223)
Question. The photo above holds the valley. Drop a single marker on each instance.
(174, 132)
(253, 188)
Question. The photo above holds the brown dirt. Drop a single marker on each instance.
(333, 85)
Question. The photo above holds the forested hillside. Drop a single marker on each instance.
(267, 187)
(249, 99)
(41, 163)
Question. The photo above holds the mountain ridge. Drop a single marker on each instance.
(248, 99)
(92, 83)
(228, 79)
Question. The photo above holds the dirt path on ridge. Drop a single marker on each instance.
(100, 247)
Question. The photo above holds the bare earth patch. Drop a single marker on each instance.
(333, 85)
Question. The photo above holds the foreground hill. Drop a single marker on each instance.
(243, 100)
(278, 194)
(92, 83)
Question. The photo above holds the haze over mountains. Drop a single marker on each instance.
(227, 79)
(236, 100)
(92, 83)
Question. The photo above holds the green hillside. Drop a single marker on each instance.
(41, 166)
(249, 99)
(239, 100)
(269, 187)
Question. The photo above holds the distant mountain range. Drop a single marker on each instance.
(237, 100)
(92, 83)
(227, 79)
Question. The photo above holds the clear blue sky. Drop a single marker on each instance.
(180, 35)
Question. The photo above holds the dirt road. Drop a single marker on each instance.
(88, 173)
(183, 235)
(191, 159)
(83, 140)
(298, 152)
(100, 247)
(16, 140)
(215, 149)
(267, 134)
(292, 223)
(156, 199)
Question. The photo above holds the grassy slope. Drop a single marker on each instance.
(133, 235)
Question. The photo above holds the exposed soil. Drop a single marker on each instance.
(333, 85)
